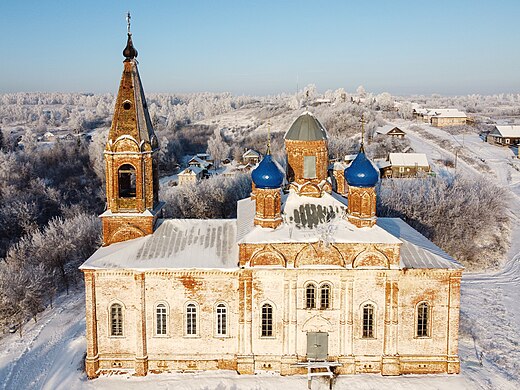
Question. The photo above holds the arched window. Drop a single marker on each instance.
(267, 320)
(324, 296)
(126, 178)
(310, 296)
(116, 320)
(161, 319)
(191, 319)
(422, 320)
(221, 319)
(368, 321)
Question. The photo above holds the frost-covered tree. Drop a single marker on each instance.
(218, 148)
(466, 216)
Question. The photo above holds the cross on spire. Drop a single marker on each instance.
(128, 18)
(362, 120)
(269, 136)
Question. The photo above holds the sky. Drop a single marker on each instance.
(263, 47)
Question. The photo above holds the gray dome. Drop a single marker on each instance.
(306, 128)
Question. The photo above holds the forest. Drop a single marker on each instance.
(51, 192)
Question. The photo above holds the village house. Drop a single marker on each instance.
(190, 175)
(199, 162)
(302, 274)
(505, 135)
(441, 117)
(405, 165)
(391, 130)
(251, 156)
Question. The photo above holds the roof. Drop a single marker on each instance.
(446, 113)
(304, 218)
(199, 161)
(387, 128)
(267, 174)
(417, 251)
(191, 171)
(306, 128)
(250, 153)
(511, 131)
(408, 159)
(176, 244)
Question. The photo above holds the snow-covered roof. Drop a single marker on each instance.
(350, 157)
(199, 161)
(250, 153)
(408, 159)
(338, 166)
(192, 170)
(303, 218)
(176, 244)
(387, 128)
(446, 113)
(512, 131)
(417, 251)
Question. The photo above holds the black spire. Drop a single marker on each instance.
(129, 52)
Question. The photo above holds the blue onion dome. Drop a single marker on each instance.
(361, 172)
(267, 174)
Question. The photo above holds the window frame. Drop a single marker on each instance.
(429, 321)
(218, 320)
(329, 296)
(111, 320)
(266, 334)
(372, 323)
(187, 316)
(310, 303)
(166, 319)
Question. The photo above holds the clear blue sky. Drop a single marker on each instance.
(263, 47)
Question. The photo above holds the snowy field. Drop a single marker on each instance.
(50, 354)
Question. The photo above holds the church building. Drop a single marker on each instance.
(302, 274)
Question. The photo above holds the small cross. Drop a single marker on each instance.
(128, 17)
(362, 129)
(269, 136)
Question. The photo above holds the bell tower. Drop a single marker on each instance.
(131, 160)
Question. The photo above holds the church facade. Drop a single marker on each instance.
(302, 274)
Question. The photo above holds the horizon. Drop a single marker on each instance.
(264, 49)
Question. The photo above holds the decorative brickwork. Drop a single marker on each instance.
(362, 206)
(268, 207)
(296, 151)
(339, 176)
(131, 162)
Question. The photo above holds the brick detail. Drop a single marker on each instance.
(339, 177)
(362, 206)
(268, 207)
(296, 150)
(121, 227)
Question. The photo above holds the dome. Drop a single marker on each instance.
(306, 128)
(267, 174)
(361, 172)
(129, 52)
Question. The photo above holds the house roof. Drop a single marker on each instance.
(198, 160)
(191, 171)
(446, 113)
(510, 131)
(176, 243)
(250, 153)
(387, 128)
(408, 159)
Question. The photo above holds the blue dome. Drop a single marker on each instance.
(267, 174)
(361, 172)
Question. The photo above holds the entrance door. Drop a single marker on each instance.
(317, 345)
